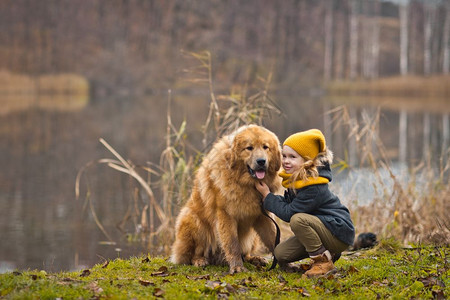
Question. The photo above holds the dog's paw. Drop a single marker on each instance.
(256, 261)
(200, 262)
(237, 269)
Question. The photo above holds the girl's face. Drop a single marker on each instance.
(292, 161)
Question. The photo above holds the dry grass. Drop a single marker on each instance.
(412, 206)
(414, 211)
(167, 185)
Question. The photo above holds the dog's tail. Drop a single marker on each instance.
(182, 251)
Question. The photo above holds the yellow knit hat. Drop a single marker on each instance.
(307, 143)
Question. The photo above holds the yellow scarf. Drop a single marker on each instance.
(298, 184)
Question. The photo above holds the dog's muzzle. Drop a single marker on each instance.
(259, 171)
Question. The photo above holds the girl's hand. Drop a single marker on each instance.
(262, 188)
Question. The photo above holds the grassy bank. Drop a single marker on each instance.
(18, 84)
(433, 86)
(387, 271)
(60, 92)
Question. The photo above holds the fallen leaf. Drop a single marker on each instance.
(303, 292)
(105, 264)
(247, 282)
(430, 281)
(67, 281)
(439, 294)
(145, 282)
(330, 276)
(281, 279)
(222, 296)
(162, 272)
(377, 283)
(159, 274)
(213, 284)
(158, 292)
(318, 289)
(229, 288)
(163, 269)
(242, 289)
(93, 286)
(200, 277)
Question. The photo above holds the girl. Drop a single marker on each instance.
(321, 225)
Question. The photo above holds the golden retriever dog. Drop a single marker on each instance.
(223, 218)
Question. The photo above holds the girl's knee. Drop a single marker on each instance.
(279, 254)
(299, 221)
(282, 255)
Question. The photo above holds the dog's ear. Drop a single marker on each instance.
(230, 157)
(231, 154)
(277, 158)
(235, 149)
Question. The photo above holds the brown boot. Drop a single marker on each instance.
(323, 264)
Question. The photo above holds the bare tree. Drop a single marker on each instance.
(328, 59)
(402, 143)
(366, 36)
(375, 40)
(430, 13)
(445, 135)
(403, 15)
(353, 53)
(445, 40)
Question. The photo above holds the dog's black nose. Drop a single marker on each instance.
(261, 161)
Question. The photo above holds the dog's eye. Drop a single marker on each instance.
(265, 147)
(250, 148)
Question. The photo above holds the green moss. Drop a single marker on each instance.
(384, 272)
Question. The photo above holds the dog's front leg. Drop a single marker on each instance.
(227, 229)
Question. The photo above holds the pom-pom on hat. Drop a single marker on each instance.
(307, 143)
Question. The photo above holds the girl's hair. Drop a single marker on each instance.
(309, 168)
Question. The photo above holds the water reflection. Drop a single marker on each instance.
(42, 147)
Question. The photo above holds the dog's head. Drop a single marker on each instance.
(256, 150)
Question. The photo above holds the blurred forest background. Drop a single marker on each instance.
(74, 71)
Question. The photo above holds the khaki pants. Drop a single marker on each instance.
(310, 235)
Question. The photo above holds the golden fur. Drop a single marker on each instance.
(222, 219)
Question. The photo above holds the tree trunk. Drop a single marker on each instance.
(352, 145)
(426, 135)
(340, 46)
(328, 57)
(445, 40)
(428, 26)
(353, 53)
(402, 143)
(445, 136)
(375, 49)
(403, 15)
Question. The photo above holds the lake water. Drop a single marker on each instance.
(43, 147)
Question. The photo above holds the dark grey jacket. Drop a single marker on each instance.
(316, 200)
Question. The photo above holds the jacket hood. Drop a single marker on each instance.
(325, 171)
